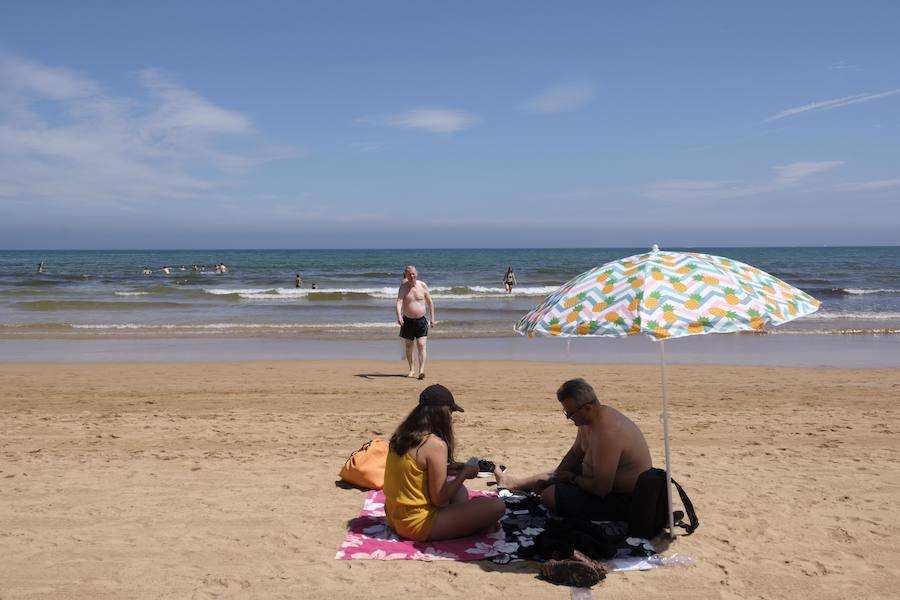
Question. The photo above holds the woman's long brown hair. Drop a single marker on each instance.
(418, 424)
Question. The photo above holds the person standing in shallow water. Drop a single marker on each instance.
(413, 298)
(509, 280)
(298, 281)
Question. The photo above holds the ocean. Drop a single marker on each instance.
(106, 294)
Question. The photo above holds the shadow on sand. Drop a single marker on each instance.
(340, 483)
(379, 375)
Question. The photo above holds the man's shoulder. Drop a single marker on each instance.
(608, 430)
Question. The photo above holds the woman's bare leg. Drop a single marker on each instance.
(462, 494)
(465, 518)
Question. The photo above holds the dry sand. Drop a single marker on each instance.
(218, 480)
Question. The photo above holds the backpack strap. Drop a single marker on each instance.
(689, 507)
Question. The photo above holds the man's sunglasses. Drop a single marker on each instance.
(574, 411)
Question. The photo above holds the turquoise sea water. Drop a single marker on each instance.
(104, 293)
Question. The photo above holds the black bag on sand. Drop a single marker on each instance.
(562, 537)
(648, 513)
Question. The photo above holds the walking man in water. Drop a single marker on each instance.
(413, 298)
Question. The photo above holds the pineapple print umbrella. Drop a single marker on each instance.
(667, 295)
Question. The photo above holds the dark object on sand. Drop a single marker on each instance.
(486, 468)
(567, 537)
(574, 573)
(648, 513)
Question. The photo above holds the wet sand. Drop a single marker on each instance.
(196, 480)
(773, 349)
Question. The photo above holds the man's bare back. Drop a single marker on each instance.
(614, 434)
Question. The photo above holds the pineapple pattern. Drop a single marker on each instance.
(667, 295)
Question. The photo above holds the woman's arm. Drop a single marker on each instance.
(441, 491)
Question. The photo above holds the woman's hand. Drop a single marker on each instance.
(469, 471)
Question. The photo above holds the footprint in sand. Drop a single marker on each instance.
(221, 587)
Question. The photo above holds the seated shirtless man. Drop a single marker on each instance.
(596, 477)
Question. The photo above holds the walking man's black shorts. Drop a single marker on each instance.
(414, 328)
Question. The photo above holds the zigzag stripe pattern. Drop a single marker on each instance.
(667, 295)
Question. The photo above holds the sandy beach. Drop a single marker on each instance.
(203, 480)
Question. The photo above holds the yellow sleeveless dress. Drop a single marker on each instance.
(407, 503)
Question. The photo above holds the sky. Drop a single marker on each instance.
(425, 124)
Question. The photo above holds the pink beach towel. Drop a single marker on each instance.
(370, 538)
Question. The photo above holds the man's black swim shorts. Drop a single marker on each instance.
(414, 328)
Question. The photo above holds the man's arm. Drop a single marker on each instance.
(430, 304)
(605, 455)
(573, 457)
(565, 472)
(400, 306)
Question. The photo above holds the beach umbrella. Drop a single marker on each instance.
(667, 295)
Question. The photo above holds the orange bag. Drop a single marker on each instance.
(365, 467)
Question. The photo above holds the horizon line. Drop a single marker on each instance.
(412, 249)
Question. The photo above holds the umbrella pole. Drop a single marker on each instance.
(665, 420)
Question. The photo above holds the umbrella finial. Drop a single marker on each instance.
(654, 249)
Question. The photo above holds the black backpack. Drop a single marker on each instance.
(648, 513)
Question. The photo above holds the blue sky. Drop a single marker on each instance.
(425, 124)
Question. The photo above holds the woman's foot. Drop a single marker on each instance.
(421, 374)
(411, 374)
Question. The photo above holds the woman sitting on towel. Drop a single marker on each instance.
(420, 503)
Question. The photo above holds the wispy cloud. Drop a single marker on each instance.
(367, 146)
(64, 137)
(866, 186)
(180, 109)
(783, 177)
(842, 65)
(562, 97)
(830, 104)
(429, 118)
(794, 172)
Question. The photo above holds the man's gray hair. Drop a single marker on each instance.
(577, 390)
